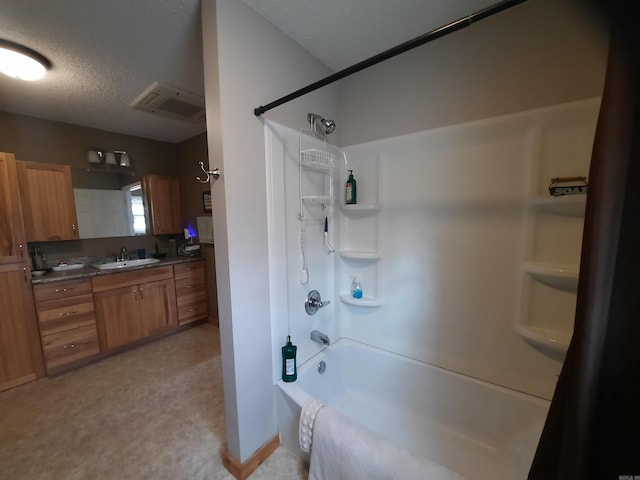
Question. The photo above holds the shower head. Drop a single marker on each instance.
(319, 125)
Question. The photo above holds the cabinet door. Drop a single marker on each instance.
(158, 306)
(163, 204)
(12, 239)
(20, 353)
(118, 316)
(47, 201)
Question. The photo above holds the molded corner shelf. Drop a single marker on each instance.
(360, 255)
(562, 277)
(552, 340)
(360, 209)
(569, 205)
(360, 302)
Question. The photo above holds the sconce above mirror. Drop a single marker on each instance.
(118, 161)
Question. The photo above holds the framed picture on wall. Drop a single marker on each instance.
(206, 201)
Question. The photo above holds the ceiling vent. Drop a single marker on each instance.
(170, 102)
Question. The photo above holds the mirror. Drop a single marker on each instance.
(108, 205)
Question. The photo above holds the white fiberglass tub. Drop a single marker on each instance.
(478, 430)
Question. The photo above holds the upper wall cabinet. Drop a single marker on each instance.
(47, 201)
(162, 204)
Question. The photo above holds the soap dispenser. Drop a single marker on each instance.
(350, 191)
(356, 288)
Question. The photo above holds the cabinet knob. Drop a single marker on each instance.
(24, 272)
(21, 249)
(75, 230)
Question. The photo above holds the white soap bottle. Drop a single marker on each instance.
(356, 288)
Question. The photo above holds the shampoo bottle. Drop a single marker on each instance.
(289, 367)
(356, 288)
(350, 190)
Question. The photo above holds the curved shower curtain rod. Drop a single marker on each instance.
(392, 52)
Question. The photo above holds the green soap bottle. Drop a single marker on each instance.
(289, 367)
(350, 191)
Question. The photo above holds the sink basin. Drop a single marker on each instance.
(65, 266)
(127, 263)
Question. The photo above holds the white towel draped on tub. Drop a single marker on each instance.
(342, 449)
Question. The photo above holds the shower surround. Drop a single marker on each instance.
(448, 224)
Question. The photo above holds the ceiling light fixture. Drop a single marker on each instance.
(21, 62)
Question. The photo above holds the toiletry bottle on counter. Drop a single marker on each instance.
(350, 190)
(356, 288)
(289, 367)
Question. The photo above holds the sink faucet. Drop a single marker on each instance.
(320, 337)
(123, 255)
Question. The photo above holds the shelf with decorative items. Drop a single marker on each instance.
(360, 254)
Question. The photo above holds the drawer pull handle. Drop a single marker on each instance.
(58, 290)
(67, 314)
(189, 286)
(71, 345)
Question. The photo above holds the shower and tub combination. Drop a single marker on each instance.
(432, 357)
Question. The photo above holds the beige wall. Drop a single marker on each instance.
(540, 53)
(39, 140)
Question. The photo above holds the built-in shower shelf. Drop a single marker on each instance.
(361, 210)
(317, 159)
(317, 200)
(360, 256)
(553, 340)
(568, 205)
(562, 277)
(360, 302)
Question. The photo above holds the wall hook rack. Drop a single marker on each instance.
(215, 173)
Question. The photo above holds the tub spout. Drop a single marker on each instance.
(320, 337)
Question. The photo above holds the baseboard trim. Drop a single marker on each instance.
(241, 471)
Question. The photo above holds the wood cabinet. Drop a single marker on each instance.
(162, 204)
(191, 293)
(20, 353)
(67, 322)
(46, 193)
(13, 246)
(134, 305)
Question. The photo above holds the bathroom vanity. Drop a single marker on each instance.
(65, 319)
(91, 313)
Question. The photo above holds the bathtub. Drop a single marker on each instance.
(479, 430)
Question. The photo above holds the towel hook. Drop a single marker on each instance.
(215, 173)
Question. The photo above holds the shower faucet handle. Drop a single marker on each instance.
(314, 302)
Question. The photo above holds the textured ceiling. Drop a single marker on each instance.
(106, 52)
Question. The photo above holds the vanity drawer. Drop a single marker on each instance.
(52, 291)
(70, 345)
(191, 309)
(190, 287)
(65, 313)
(189, 270)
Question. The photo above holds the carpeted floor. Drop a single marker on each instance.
(155, 412)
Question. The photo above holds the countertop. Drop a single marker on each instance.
(90, 271)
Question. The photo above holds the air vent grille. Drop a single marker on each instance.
(170, 102)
